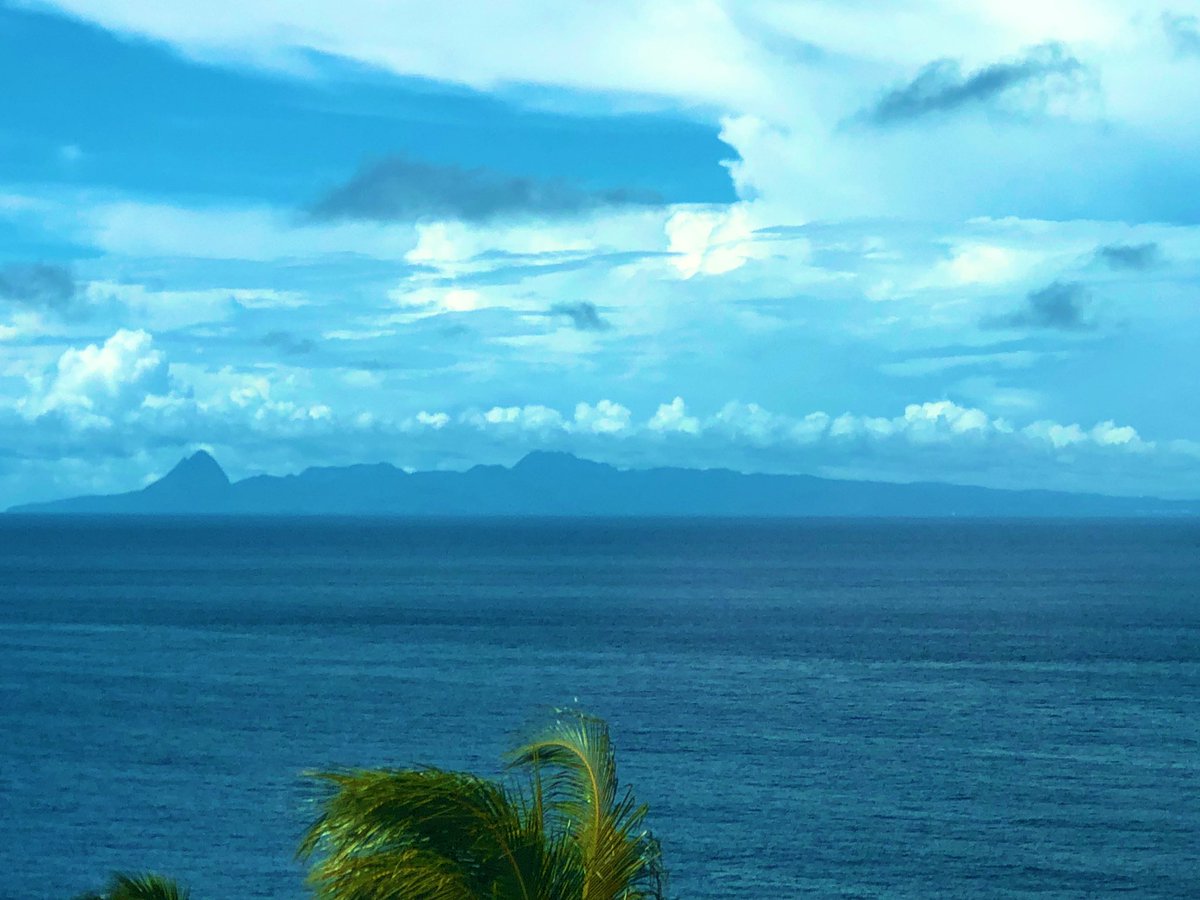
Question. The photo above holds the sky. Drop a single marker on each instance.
(927, 240)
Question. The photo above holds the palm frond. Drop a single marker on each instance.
(562, 830)
(573, 763)
(146, 886)
(404, 874)
(450, 831)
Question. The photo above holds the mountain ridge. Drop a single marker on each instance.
(553, 483)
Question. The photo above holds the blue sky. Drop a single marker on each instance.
(935, 240)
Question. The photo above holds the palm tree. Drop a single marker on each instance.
(563, 831)
(139, 887)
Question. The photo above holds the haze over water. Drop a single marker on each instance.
(861, 709)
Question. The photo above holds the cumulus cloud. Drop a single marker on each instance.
(436, 421)
(1111, 434)
(942, 87)
(606, 417)
(925, 419)
(1060, 305)
(100, 381)
(936, 426)
(1137, 257)
(673, 417)
(760, 427)
(534, 418)
(38, 286)
(583, 316)
(400, 189)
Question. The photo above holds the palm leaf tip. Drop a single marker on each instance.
(574, 763)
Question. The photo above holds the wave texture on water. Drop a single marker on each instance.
(835, 708)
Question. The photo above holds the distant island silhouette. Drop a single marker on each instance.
(559, 484)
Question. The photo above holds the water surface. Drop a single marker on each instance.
(857, 709)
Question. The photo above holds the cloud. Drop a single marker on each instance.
(942, 87)
(584, 316)
(710, 241)
(38, 286)
(673, 417)
(1183, 32)
(1059, 305)
(118, 400)
(94, 384)
(141, 229)
(690, 50)
(400, 189)
(606, 417)
(533, 418)
(288, 343)
(928, 365)
(1137, 257)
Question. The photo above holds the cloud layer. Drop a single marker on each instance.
(399, 189)
(947, 240)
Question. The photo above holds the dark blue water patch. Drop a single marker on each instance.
(863, 709)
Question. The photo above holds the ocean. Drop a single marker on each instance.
(811, 708)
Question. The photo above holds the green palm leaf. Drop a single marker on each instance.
(147, 886)
(421, 834)
(564, 831)
(575, 768)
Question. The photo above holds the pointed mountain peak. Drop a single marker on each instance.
(197, 472)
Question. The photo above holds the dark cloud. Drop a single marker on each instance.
(1130, 256)
(288, 343)
(942, 86)
(1183, 32)
(584, 316)
(38, 285)
(399, 189)
(1060, 305)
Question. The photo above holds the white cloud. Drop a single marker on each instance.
(453, 246)
(606, 417)
(930, 419)
(977, 264)
(681, 49)
(436, 421)
(1110, 434)
(102, 380)
(534, 418)
(1055, 434)
(24, 325)
(461, 300)
(710, 241)
(673, 417)
(784, 78)
(763, 298)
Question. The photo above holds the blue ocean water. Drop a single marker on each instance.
(841, 709)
